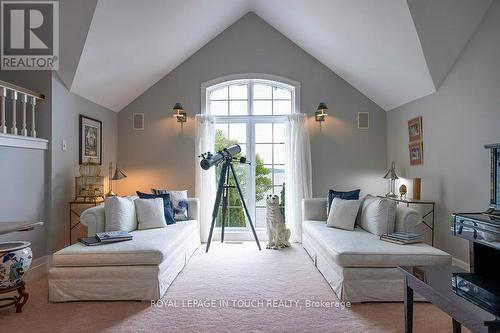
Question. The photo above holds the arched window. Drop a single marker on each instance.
(251, 110)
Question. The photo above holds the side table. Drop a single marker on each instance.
(430, 213)
(76, 208)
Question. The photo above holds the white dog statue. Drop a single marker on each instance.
(277, 232)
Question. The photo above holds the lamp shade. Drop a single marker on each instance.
(178, 107)
(321, 112)
(119, 174)
(391, 173)
(322, 107)
(179, 113)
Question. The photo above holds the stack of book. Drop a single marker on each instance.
(402, 238)
(106, 237)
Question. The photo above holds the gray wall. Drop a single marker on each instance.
(22, 179)
(38, 185)
(444, 27)
(75, 17)
(25, 173)
(163, 154)
(462, 116)
(66, 109)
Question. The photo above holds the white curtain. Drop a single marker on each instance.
(205, 179)
(298, 175)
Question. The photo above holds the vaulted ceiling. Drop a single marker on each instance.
(393, 51)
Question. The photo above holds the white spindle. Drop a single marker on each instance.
(33, 104)
(14, 111)
(24, 100)
(3, 120)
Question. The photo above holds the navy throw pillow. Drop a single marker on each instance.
(168, 211)
(346, 195)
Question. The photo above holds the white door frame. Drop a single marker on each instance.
(275, 80)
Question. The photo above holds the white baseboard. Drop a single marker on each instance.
(460, 263)
(38, 269)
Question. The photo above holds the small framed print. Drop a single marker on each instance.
(416, 150)
(415, 129)
(90, 140)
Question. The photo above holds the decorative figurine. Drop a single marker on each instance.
(278, 234)
(402, 191)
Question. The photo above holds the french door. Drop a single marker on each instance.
(252, 113)
(262, 142)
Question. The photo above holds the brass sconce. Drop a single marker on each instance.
(179, 113)
(321, 112)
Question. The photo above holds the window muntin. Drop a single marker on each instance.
(227, 134)
(270, 144)
(250, 97)
(250, 113)
(230, 100)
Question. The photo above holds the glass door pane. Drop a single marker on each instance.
(250, 113)
(269, 166)
(226, 135)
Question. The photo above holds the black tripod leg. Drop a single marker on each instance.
(217, 203)
(224, 204)
(244, 205)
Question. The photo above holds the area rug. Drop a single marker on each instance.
(233, 288)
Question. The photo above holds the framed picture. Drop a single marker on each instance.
(90, 140)
(416, 150)
(415, 129)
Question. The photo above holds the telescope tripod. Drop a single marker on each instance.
(223, 193)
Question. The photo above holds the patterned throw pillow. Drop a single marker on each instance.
(179, 203)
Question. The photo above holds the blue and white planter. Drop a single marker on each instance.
(15, 260)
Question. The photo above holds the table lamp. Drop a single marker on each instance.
(117, 176)
(392, 176)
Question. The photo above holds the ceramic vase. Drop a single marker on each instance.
(15, 260)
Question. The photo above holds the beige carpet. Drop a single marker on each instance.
(242, 290)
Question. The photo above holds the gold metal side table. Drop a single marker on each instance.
(76, 208)
(430, 213)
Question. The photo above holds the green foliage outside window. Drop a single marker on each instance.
(262, 183)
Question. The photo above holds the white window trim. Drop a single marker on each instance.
(279, 81)
(274, 80)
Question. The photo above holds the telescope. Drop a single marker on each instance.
(226, 158)
(209, 160)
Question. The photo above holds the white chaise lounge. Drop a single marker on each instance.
(357, 264)
(140, 269)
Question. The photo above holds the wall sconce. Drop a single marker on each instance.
(321, 112)
(179, 113)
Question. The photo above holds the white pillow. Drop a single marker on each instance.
(377, 215)
(150, 213)
(120, 214)
(343, 214)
